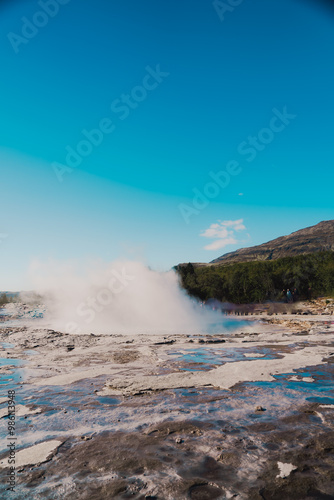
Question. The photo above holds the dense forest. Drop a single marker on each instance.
(310, 275)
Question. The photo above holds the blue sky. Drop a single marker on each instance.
(221, 85)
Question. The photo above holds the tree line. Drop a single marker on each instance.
(6, 299)
(308, 275)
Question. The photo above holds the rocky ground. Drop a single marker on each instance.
(245, 414)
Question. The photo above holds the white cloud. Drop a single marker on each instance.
(223, 232)
(216, 245)
(237, 225)
(215, 231)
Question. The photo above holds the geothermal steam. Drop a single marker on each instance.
(123, 297)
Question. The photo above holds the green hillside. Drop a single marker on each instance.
(258, 281)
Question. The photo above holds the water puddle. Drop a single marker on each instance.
(313, 385)
(11, 362)
(7, 345)
(321, 400)
(207, 358)
(108, 401)
(228, 325)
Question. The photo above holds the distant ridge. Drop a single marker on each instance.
(305, 241)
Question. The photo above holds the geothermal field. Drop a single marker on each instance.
(166, 250)
(243, 410)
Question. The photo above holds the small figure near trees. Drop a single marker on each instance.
(289, 296)
(295, 295)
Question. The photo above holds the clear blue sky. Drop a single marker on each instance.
(221, 80)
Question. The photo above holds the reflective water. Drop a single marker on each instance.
(205, 358)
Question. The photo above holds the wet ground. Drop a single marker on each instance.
(256, 420)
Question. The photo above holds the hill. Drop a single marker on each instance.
(316, 238)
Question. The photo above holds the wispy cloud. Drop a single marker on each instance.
(216, 245)
(223, 232)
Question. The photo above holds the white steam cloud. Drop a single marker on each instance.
(123, 297)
